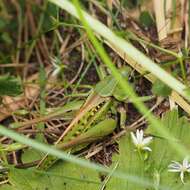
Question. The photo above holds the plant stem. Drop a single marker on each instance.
(130, 50)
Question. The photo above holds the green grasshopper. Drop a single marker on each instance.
(91, 122)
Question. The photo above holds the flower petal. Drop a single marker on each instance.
(140, 136)
(185, 163)
(146, 140)
(147, 148)
(176, 163)
(174, 166)
(174, 170)
(134, 138)
(56, 72)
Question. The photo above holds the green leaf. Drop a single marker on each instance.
(187, 91)
(50, 12)
(3, 23)
(146, 19)
(127, 161)
(10, 86)
(5, 37)
(160, 89)
(62, 176)
(155, 164)
(30, 155)
(162, 155)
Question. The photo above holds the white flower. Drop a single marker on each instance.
(182, 168)
(139, 141)
(58, 67)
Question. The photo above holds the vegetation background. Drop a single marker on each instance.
(62, 61)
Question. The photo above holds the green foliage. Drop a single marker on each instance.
(109, 85)
(10, 86)
(4, 35)
(139, 57)
(127, 161)
(63, 176)
(187, 91)
(146, 19)
(162, 155)
(155, 164)
(161, 89)
(152, 166)
(2, 23)
(50, 12)
(30, 155)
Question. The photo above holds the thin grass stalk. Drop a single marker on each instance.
(156, 123)
(129, 49)
(67, 157)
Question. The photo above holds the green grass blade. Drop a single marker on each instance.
(62, 155)
(181, 150)
(130, 50)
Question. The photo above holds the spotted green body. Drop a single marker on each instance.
(89, 120)
(91, 123)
